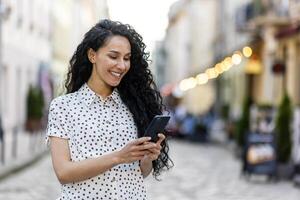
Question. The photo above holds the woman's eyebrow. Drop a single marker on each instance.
(114, 51)
(117, 52)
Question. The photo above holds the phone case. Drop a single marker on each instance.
(157, 125)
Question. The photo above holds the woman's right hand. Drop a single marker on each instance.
(135, 150)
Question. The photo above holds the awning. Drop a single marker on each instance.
(288, 31)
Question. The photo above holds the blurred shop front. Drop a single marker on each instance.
(275, 30)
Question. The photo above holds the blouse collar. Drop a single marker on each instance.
(88, 95)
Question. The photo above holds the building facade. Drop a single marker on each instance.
(26, 50)
(275, 28)
(200, 34)
(275, 25)
(188, 48)
(38, 39)
(71, 19)
(230, 89)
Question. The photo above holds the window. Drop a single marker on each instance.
(20, 13)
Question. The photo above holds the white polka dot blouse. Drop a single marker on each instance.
(93, 127)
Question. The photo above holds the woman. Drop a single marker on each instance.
(96, 130)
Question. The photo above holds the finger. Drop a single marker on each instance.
(140, 140)
(153, 156)
(139, 153)
(146, 146)
(161, 138)
(154, 151)
(147, 142)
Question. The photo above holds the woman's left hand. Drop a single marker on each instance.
(154, 152)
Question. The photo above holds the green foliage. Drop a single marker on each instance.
(283, 130)
(244, 123)
(225, 111)
(35, 103)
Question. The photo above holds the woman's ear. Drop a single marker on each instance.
(91, 55)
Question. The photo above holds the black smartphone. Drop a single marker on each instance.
(157, 125)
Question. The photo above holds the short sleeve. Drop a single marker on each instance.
(56, 121)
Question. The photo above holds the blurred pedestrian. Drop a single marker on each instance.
(187, 127)
(96, 130)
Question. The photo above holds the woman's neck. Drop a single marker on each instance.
(100, 88)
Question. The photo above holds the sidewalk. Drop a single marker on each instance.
(208, 171)
(201, 171)
(21, 149)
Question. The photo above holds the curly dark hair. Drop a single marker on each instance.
(137, 88)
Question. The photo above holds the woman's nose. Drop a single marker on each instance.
(121, 64)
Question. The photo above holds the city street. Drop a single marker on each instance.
(201, 172)
(88, 71)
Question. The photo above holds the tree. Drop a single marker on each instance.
(244, 122)
(283, 130)
(35, 107)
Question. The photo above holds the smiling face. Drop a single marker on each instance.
(110, 63)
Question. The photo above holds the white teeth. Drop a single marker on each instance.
(116, 74)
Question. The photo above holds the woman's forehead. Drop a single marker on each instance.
(117, 44)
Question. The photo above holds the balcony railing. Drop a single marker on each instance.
(271, 12)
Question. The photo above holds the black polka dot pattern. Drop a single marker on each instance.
(93, 127)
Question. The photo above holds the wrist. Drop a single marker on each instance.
(146, 167)
(117, 158)
(146, 161)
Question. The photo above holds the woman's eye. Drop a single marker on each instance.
(113, 57)
(126, 59)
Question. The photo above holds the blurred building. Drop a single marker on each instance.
(230, 86)
(159, 59)
(273, 68)
(275, 29)
(38, 39)
(177, 42)
(188, 47)
(71, 19)
(26, 51)
(200, 34)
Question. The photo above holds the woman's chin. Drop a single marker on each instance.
(114, 83)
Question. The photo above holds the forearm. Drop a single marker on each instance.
(82, 170)
(146, 168)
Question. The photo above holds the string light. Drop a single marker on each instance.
(236, 58)
(219, 68)
(202, 78)
(247, 51)
(215, 71)
(211, 73)
(187, 84)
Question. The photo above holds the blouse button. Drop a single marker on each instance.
(113, 179)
